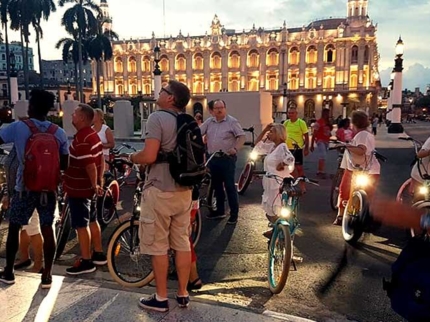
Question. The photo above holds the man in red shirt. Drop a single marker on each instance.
(321, 135)
(82, 182)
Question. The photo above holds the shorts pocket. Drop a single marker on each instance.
(147, 229)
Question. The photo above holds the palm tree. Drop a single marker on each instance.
(80, 20)
(44, 8)
(4, 12)
(70, 50)
(100, 49)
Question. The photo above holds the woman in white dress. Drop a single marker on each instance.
(103, 131)
(278, 161)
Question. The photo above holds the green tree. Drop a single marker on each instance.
(80, 20)
(4, 13)
(70, 51)
(44, 8)
(100, 49)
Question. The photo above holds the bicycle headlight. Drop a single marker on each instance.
(423, 190)
(362, 180)
(285, 212)
(253, 155)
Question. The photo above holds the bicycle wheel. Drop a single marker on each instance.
(63, 227)
(420, 205)
(245, 178)
(106, 204)
(354, 217)
(280, 255)
(126, 264)
(334, 192)
(405, 194)
(196, 228)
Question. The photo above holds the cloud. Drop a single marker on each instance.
(416, 75)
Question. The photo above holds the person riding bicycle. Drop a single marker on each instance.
(279, 161)
(423, 163)
(360, 153)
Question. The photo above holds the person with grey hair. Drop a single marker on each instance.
(223, 133)
(279, 161)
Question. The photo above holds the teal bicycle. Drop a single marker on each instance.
(284, 229)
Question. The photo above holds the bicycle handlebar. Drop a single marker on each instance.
(296, 181)
(250, 129)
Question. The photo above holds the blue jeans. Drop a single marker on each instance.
(223, 176)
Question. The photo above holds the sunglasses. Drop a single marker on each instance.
(165, 90)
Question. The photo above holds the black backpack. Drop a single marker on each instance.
(409, 289)
(186, 161)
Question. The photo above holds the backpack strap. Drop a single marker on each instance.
(52, 129)
(170, 112)
(33, 128)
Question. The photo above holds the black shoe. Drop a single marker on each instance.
(46, 282)
(215, 215)
(232, 220)
(99, 258)
(81, 266)
(152, 303)
(183, 301)
(7, 278)
(23, 265)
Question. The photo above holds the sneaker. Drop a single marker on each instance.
(7, 278)
(232, 220)
(46, 282)
(153, 304)
(214, 215)
(23, 265)
(99, 258)
(183, 301)
(81, 266)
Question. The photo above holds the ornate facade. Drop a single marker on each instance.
(323, 64)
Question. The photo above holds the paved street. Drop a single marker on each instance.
(233, 260)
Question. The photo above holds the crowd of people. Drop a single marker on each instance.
(166, 206)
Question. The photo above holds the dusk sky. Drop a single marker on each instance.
(138, 18)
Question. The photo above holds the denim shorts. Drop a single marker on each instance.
(321, 150)
(82, 211)
(24, 203)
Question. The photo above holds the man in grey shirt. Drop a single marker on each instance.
(223, 133)
(166, 206)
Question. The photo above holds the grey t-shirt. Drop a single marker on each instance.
(162, 127)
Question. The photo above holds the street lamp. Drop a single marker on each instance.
(396, 88)
(157, 72)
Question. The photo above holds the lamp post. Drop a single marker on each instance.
(285, 103)
(157, 73)
(14, 95)
(69, 92)
(396, 92)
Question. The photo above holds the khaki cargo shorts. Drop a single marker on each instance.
(164, 221)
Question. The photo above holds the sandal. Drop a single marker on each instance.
(195, 285)
(338, 221)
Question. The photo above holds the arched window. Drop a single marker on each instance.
(164, 64)
(354, 81)
(181, 63)
(252, 84)
(234, 86)
(366, 54)
(118, 65)
(294, 56)
(273, 84)
(132, 66)
(354, 55)
(133, 89)
(198, 86)
(146, 64)
(216, 60)
(234, 60)
(272, 57)
(147, 89)
(198, 61)
(253, 59)
(329, 82)
(311, 55)
(329, 54)
(120, 90)
(215, 86)
(309, 109)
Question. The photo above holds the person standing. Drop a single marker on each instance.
(223, 133)
(104, 132)
(166, 206)
(321, 137)
(82, 183)
(297, 141)
(28, 199)
(375, 122)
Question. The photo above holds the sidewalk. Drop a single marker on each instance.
(72, 299)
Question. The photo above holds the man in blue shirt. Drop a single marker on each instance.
(24, 202)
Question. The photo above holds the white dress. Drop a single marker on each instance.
(271, 201)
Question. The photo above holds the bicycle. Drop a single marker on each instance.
(282, 240)
(249, 172)
(335, 183)
(63, 223)
(407, 194)
(356, 218)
